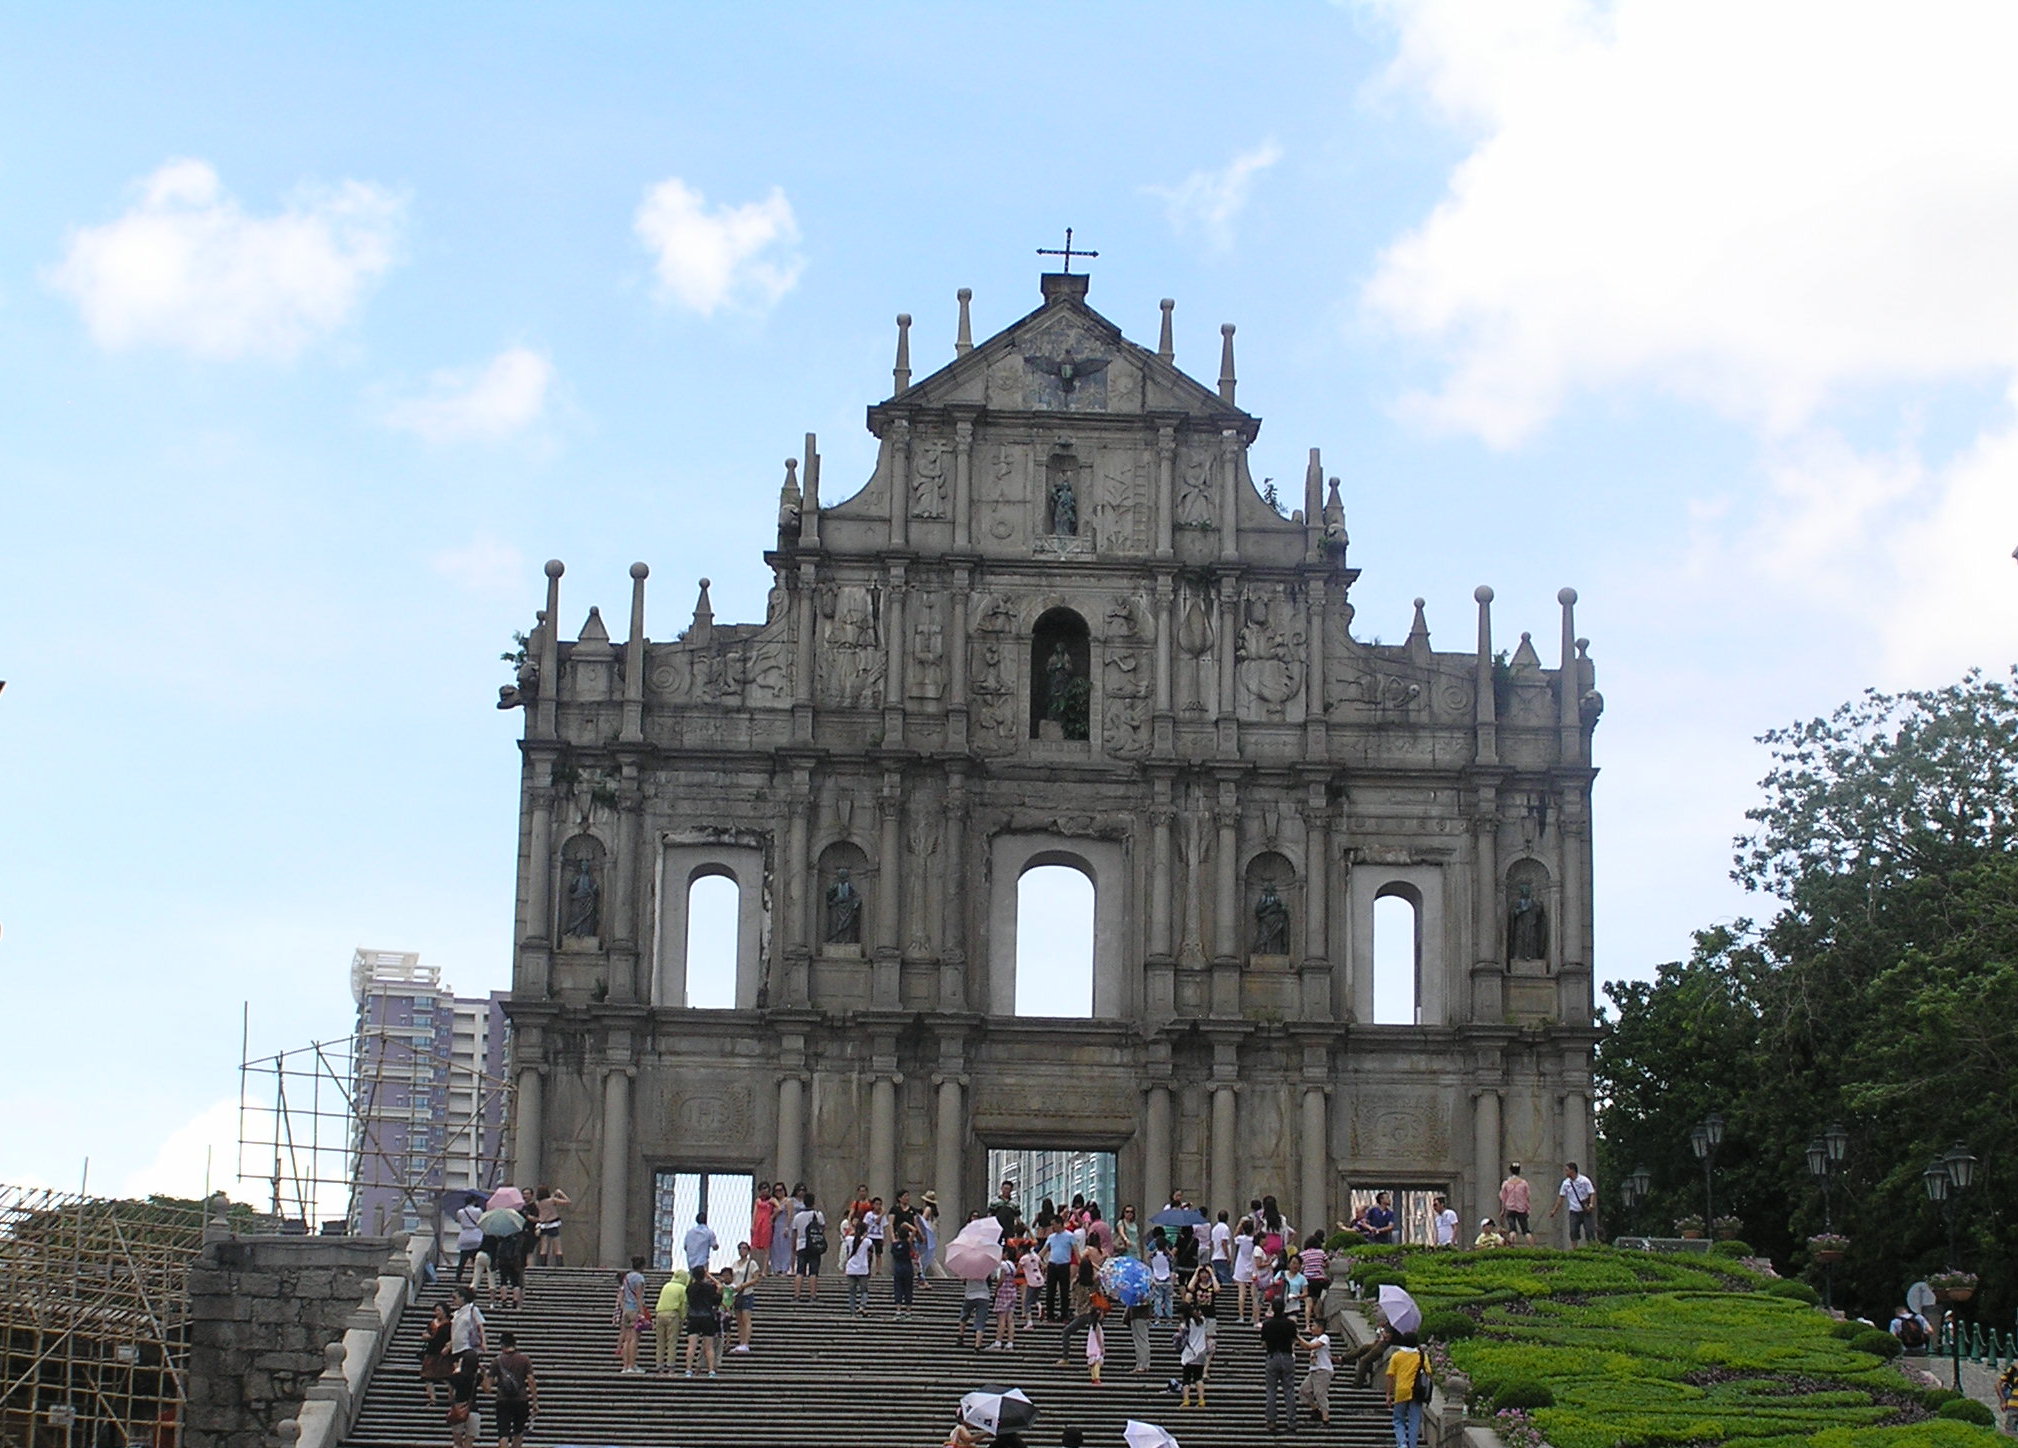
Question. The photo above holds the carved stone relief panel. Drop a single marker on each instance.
(926, 677)
(851, 646)
(1002, 494)
(1126, 680)
(929, 490)
(1270, 653)
(1121, 512)
(1197, 503)
(720, 1118)
(992, 677)
(1400, 1126)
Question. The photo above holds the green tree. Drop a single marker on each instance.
(1882, 992)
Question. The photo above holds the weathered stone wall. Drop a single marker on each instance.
(261, 1311)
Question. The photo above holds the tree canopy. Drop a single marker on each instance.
(1881, 992)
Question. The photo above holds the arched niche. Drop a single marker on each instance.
(1530, 922)
(1271, 925)
(580, 908)
(1061, 676)
(679, 867)
(1105, 863)
(1421, 887)
(844, 895)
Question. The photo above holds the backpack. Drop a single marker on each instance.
(1911, 1333)
(1423, 1385)
(816, 1234)
(511, 1388)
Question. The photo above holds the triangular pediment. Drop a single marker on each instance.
(1067, 358)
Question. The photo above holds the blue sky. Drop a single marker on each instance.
(321, 327)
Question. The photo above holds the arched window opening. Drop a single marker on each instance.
(1061, 673)
(1397, 960)
(714, 905)
(1054, 942)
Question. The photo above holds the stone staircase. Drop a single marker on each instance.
(817, 1375)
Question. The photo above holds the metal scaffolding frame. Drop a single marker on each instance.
(313, 1129)
(94, 1318)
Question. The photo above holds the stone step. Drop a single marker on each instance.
(817, 1373)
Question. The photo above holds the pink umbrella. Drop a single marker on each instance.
(977, 1251)
(510, 1197)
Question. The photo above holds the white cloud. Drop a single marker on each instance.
(1755, 205)
(1207, 202)
(484, 404)
(203, 1150)
(483, 565)
(187, 268)
(728, 255)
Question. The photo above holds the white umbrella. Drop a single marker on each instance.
(1400, 1310)
(976, 1251)
(996, 1410)
(1146, 1435)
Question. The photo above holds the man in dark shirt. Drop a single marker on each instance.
(1004, 1209)
(518, 1393)
(1278, 1341)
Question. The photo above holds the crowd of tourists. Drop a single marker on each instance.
(1203, 1271)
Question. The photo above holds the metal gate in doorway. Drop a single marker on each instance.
(678, 1199)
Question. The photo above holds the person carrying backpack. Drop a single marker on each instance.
(516, 1391)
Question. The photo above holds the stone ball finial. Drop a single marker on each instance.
(1483, 593)
(903, 319)
(555, 568)
(965, 294)
(705, 583)
(1583, 645)
(401, 1239)
(332, 1356)
(1167, 303)
(1420, 601)
(1567, 597)
(1526, 637)
(289, 1430)
(1226, 329)
(641, 571)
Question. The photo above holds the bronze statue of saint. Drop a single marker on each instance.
(584, 901)
(1064, 505)
(1527, 928)
(1271, 923)
(844, 911)
(1057, 682)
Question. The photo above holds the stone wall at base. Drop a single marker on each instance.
(261, 1312)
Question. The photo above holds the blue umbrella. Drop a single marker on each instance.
(1171, 1217)
(1126, 1280)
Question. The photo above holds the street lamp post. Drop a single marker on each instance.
(1946, 1178)
(1825, 1156)
(1633, 1191)
(1704, 1139)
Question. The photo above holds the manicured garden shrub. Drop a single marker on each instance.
(1847, 1329)
(1876, 1340)
(1795, 1291)
(1447, 1326)
(1339, 1241)
(1372, 1275)
(1732, 1248)
(1523, 1393)
(1932, 1398)
(1967, 1410)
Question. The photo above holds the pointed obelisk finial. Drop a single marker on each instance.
(703, 627)
(809, 504)
(1227, 381)
(633, 727)
(901, 373)
(1418, 631)
(1334, 521)
(1485, 714)
(1313, 493)
(1166, 351)
(790, 506)
(1567, 687)
(963, 343)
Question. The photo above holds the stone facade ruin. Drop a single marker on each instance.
(1059, 624)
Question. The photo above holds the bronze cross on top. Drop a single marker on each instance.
(1068, 253)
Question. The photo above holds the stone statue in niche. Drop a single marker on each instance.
(844, 911)
(1058, 683)
(582, 910)
(928, 482)
(1271, 923)
(1527, 927)
(1064, 502)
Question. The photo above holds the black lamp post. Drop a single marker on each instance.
(1633, 1191)
(1704, 1139)
(1825, 1155)
(1946, 1178)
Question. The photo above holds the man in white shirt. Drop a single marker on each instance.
(700, 1244)
(1576, 1189)
(807, 1266)
(1222, 1251)
(1445, 1221)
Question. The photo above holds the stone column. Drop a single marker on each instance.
(1229, 494)
(791, 1127)
(1314, 1204)
(900, 483)
(956, 660)
(1576, 1130)
(949, 1150)
(616, 1179)
(963, 482)
(1488, 977)
(1163, 724)
(1229, 633)
(540, 857)
(889, 889)
(1225, 1184)
(1314, 985)
(1156, 1152)
(883, 1136)
(1226, 906)
(1166, 473)
(954, 902)
(1485, 1154)
(897, 652)
(625, 873)
(806, 622)
(1160, 963)
(1316, 700)
(527, 1122)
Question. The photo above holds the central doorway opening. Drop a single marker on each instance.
(1057, 1175)
(1414, 1214)
(678, 1199)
